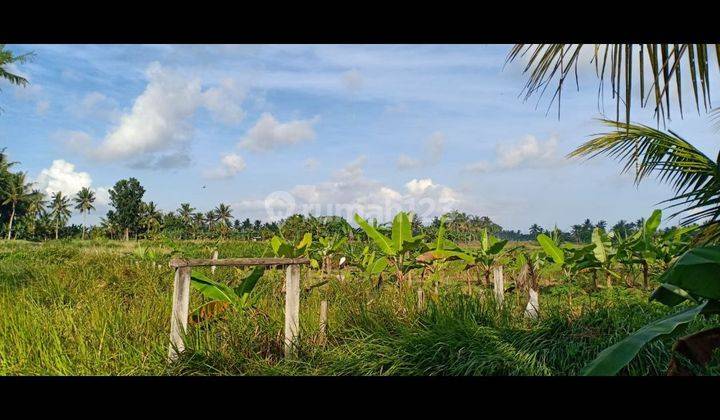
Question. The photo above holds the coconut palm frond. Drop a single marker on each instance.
(694, 177)
(7, 57)
(660, 65)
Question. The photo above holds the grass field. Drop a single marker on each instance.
(103, 308)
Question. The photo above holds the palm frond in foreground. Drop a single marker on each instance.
(694, 177)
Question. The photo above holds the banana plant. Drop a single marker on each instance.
(640, 248)
(441, 251)
(282, 248)
(487, 255)
(326, 249)
(223, 296)
(693, 278)
(395, 249)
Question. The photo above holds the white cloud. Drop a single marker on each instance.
(160, 118)
(350, 191)
(529, 152)
(353, 80)
(268, 133)
(230, 165)
(224, 102)
(62, 176)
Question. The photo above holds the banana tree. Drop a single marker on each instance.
(693, 278)
(326, 249)
(223, 296)
(487, 255)
(396, 249)
(641, 248)
(283, 248)
(440, 252)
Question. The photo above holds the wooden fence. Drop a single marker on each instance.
(181, 295)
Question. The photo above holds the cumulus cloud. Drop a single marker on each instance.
(433, 150)
(159, 123)
(349, 191)
(269, 133)
(529, 152)
(230, 165)
(62, 176)
(353, 80)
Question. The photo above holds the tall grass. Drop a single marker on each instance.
(103, 308)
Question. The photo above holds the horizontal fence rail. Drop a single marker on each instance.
(237, 262)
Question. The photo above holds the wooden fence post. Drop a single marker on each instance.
(179, 318)
(421, 299)
(214, 257)
(292, 309)
(499, 285)
(323, 322)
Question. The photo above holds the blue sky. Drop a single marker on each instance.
(331, 128)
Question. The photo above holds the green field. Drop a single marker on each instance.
(103, 308)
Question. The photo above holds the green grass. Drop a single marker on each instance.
(103, 308)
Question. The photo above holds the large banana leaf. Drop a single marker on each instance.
(212, 289)
(551, 249)
(611, 360)
(381, 240)
(697, 271)
(401, 231)
(599, 250)
(248, 284)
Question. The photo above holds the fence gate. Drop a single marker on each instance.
(181, 296)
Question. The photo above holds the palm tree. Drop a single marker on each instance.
(185, 212)
(35, 208)
(667, 65)
(694, 177)
(6, 58)
(16, 190)
(223, 215)
(535, 230)
(59, 210)
(84, 202)
(151, 216)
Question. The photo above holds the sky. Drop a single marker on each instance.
(327, 129)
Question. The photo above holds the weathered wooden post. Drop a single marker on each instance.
(292, 309)
(323, 322)
(420, 299)
(499, 285)
(214, 257)
(181, 304)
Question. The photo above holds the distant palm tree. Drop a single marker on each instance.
(84, 200)
(35, 208)
(151, 216)
(59, 210)
(535, 230)
(186, 212)
(223, 215)
(16, 190)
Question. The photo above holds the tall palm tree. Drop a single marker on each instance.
(59, 210)
(16, 190)
(84, 200)
(535, 230)
(185, 211)
(223, 215)
(659, 68)
(35, 208)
